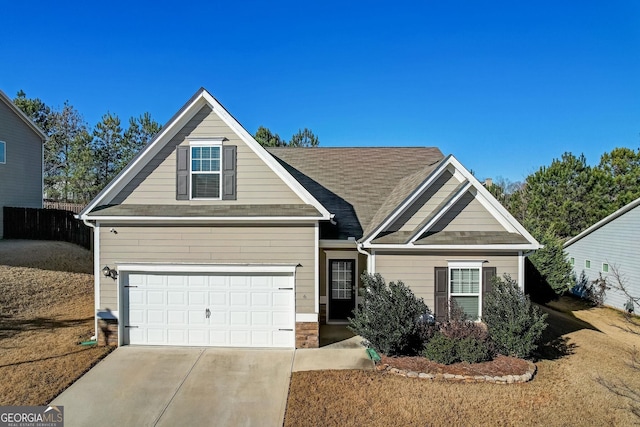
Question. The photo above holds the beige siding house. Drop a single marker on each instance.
(207, 238)
(21, 151)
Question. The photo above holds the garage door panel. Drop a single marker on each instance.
(156, 281)
(239, 338)
(176, 317)
(176, 298)
(137, 335)
(243, 310)
(155, 317)
(136, 296)
(281, 339)
(197, 317)
(218, 281)
(136, 279)
(176, 281)
(136, 316)
(281, 319)
(155, 335)
(218, 338)
(197, 336)
(260, 282)
(218, 299)
(260, 318)
(177, 337)
(281, 299)
(239, 281)
(282, 282)
(218, 318)
(239, 318)
(197, 281)
(197, 298)
(238, 299)
(260, 299)
(155, 298)
(261, 338)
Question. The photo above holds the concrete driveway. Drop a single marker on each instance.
(160, 386)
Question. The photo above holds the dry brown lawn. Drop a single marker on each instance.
(583, 344)
(46, 310)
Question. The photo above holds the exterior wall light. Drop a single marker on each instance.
(108, 272)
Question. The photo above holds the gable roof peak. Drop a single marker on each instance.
(198, 100)
(18, 112)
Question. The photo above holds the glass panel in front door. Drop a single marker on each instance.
(341, 280)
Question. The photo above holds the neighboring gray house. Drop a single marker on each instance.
(207, 238)
(21, 157)
(612, 243)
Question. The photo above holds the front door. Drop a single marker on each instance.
(342, 289)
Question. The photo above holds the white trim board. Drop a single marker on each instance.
(203, 218)
(206, 268)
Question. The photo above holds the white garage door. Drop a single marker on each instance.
(201, 309)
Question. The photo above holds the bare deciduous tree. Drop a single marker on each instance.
(619, 386)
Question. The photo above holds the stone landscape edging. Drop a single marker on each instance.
(505, 379)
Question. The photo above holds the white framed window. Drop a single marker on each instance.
(465, 287)
(205, 169)
(3, 152)
(572, 261)
(587, 263)
(605, 267)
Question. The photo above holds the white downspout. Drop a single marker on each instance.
(96, 273)
(360, 249)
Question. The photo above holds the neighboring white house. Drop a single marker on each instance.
(610, 244)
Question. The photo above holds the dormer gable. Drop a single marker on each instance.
(203, 157)
(450, 208)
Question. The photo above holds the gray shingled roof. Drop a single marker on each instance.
(472, 238)
(454, 238)
(361, 185)
(206, 210)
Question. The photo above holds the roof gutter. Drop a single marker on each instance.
(360, 248)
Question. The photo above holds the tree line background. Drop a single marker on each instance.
(561, 200)
(554, 203)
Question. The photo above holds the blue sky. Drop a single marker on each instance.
(504, 86)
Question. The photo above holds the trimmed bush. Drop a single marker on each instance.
(474, 350)
(458, 339)
(514, 324)
(388, 316)
(441, 349)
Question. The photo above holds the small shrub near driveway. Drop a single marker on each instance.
(514, 324)
(388, 317)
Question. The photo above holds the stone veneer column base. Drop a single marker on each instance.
(307, 335)
(107, 332)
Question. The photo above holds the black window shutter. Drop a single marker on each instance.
(182, 173)
(441, 296)
(229, 155)
(488, 273)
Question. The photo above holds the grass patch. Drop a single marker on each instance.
(46, 309)
(582, 344)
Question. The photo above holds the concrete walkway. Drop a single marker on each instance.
(344, 354)
(154, 386)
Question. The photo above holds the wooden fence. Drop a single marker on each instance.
(45, 224)
(65, 206)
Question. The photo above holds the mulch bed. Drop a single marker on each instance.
(500, 366)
